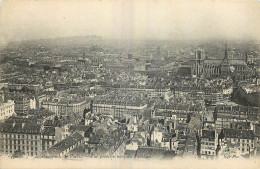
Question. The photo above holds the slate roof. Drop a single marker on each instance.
(236, 133)
(213, 61)
(49, 131)
(150, 152)
(63, 145)
(79, 127)
(208, 134)
(20, 128)
(237, 62)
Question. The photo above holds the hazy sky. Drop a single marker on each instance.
(129, 19)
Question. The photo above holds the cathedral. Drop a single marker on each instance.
(219, 67)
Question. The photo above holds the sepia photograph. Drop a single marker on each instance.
(129, 84)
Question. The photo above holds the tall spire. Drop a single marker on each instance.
(226, 53)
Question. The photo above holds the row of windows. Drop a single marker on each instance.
(19, 147)
(7, 108)
(19, 136)
(243, 149)
(208, 148)
(207, 152)
(242, 140)
(21, 142)
(207, 143)
(247, 145)
(49, 142)
(6, 112)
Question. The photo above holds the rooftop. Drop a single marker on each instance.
(58, 148)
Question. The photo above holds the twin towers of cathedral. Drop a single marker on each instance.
(211, 66)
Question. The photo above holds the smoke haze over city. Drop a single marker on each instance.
(25, 20)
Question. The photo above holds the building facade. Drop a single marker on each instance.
(20, 137)
(6, 109)
(65, 108)
(242, 140)
(118, 110)
(208, 142)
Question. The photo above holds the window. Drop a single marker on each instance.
(36, 143)
(35, 137)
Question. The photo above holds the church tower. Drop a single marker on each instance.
(225, 67)
(199, 58)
